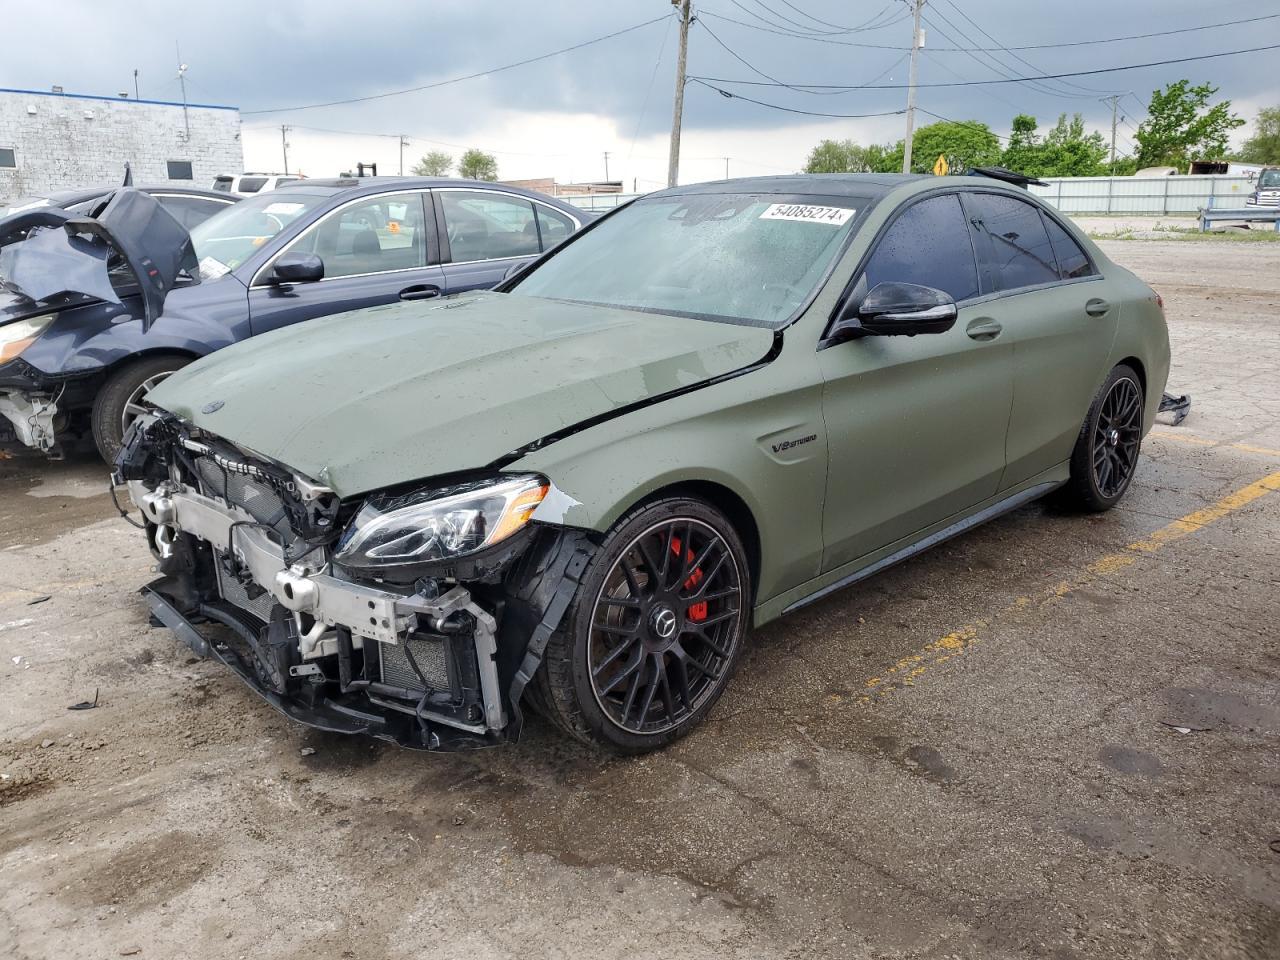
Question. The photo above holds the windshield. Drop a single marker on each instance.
(1269, 180)
(738, 257)
(232, 236)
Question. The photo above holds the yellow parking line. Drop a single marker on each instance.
(907, 670)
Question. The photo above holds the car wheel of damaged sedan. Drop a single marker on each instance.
(709, 408)
(122, 399)
(655, 631)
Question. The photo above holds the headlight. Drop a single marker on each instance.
(439, 524)
(17, 336)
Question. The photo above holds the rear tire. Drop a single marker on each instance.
(122, 398)
(1106, 452)
(651, 639)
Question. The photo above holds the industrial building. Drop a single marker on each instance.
(55, 140)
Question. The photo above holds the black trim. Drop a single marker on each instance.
(774, 350)
(946, 533)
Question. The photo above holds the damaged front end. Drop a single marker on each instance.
(417, 618)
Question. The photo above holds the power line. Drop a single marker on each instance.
(976, 83)
(644, 105)
(756, 70)
(1085, 92)
(805, 113)
(862, 26)
(452, 80)
(1010, 49)
(965, 123)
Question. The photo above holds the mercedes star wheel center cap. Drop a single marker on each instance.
(663, 622)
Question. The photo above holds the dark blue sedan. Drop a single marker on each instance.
(301, 251)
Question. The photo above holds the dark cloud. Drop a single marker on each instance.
(259, 56)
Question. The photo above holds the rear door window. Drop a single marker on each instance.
(1073, 262)
(1020, 249)
(488, 226)
(929, 244)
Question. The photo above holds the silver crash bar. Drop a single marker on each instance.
(368, 612)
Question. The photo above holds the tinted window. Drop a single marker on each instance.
(179, 170)
(929, 244)
(191, 211)
(7, 158)
(488, 226)
(222, 184)
(1072, 261)
(252, 184)
(373, 236)
(1020, 245)
(555, 226)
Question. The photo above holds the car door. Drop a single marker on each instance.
(375, 250)
(1059, 318)
(916, 425)
(484, 233)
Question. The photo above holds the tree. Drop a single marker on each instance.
(434, 164)
(478, 165)
(1066, 151)
(964, 144)
(845, 156)
(1264, 145)
(1025, 152)
(1181, 126)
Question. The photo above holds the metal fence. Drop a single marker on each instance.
(1159, 195)
(600, 202)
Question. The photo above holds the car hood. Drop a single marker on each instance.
(387, 395)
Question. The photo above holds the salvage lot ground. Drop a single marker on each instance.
(969, 756)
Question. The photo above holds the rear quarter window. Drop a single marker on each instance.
(1073, 262)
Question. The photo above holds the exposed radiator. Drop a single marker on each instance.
(430, 655)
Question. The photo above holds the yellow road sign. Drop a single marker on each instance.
(940, 167)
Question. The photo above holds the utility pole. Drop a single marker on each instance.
(404, 142)
(726, 168)
(284, 146)
(135, 84)
(673, 162)
(606, 166)
(911, 86)
(1114, 101)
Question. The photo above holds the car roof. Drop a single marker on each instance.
(812, 184)
(357, 186)
(61, 197)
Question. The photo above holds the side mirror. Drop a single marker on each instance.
(897, 310)
(297, 268)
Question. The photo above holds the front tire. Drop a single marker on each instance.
(650, 641)
(1106, 452)
(122, 398)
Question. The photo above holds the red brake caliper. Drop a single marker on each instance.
(697, 611)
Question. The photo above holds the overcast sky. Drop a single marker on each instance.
(558, 116)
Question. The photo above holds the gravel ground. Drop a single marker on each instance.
(1054, 737)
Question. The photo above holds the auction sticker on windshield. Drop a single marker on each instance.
(836, 216)
(211, 269)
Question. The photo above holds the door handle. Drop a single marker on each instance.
(1097, 307)
(422, 291)
(983, 328)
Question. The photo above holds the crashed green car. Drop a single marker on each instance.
(713, 406)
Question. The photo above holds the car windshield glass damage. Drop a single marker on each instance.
(229, 238)
(739, 257)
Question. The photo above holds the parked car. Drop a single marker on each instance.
(301, 251)
(709, 408)
(189, 205)
(1266, 189)
(247, 184)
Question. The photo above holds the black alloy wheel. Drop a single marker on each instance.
(1116, 437)
(1106, 451)
(654, 632)
(666, 624)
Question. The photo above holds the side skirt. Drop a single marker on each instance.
(990, 512)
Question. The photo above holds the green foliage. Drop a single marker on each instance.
(478, 165)
(1066, 151)
(434, 164)
(1264, 145)
(1181, 126)
(845, 156)
(966, 144)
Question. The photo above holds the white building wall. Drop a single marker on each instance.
(65, 141)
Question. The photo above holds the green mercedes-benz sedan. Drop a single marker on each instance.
(576, 492)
